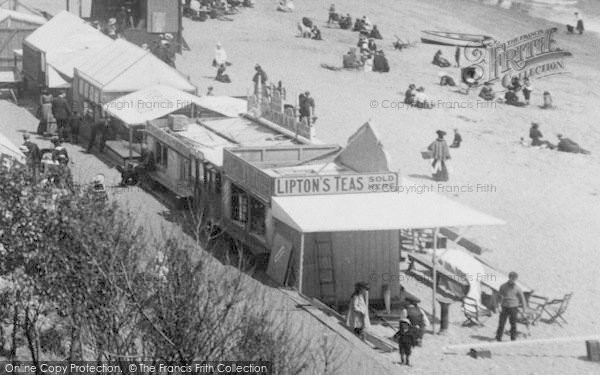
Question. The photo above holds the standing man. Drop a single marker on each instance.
(457, 56)
(62, 114)
(75, 123)
(100, 127)
(307, 107)
(511, 296)
(259, 76)
(579, 26)
(331, 14)
(34, 154)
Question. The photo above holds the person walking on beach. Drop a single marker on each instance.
(332, 14)
(511, 297)
(578, 25)
(527, 89)
(358, 311)
(440, 155)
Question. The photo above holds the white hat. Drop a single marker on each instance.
(218, 44)
(23, 149)
(169, 36)
(99, 179)
(112, 21)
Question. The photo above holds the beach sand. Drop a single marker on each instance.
(549, 200)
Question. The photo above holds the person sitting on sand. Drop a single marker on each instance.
(307, 22)
(221, 76)
(567, 145)
(457, 139)
(345, 22)
(363, 44)
(465, 86)
(409, 95)
(220, 56)
(487, 93)
(547, 101)
(380, 63)
(350, 60)
(375, 34)
(421, 99)
(285, 6)
(446, 80)
(439, 60)
(371, 45)
(358, 25)
(316, 33)
(515, 84)
(511, 98)
(367, 25)
(536, 137)
(578, 25)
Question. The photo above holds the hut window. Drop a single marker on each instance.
(257, 217)
(239, 205)
(162, 155)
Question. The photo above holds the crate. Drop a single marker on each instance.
(593, 350)
(178, 123)
(480, 353)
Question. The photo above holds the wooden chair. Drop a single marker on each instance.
(557, 308)
(473, 312)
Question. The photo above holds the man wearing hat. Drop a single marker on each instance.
(358, 309)
(59, 149)
(62, 113)
(441, 155)
(307, 107)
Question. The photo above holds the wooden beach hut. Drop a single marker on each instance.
(14, 28)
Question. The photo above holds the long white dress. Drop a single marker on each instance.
(358, 313)
(220, 56)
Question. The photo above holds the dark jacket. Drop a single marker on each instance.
(61, 109)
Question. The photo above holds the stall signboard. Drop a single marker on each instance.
(335, 184)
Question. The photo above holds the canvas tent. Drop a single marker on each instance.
(46, 38)
(122, 68)
(160, 100)
(14, 28)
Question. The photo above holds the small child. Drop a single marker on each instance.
(407, 339)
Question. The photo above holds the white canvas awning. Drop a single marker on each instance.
(375, 211)
(9, 149)
(160, 100)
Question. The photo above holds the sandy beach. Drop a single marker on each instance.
(548, 199)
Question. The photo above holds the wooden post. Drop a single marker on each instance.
(130, 143)
(434, 281)
(80, 8)
(301, 265)
(68, 5)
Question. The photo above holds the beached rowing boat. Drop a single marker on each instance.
(456, 39)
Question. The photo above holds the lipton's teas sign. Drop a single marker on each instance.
(335, 184)
(533, 55)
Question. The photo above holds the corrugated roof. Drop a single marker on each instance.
(52, 34)
(122, 67)
(23, 17)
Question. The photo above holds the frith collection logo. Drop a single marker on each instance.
(533, 55)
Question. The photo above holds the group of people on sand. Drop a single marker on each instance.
(308, 29)
(286, 6)
(202, 10)
(362, 25)
(371, 57)
(564, 144)
(416, 97)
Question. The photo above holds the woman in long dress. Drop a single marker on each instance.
(441, 154)
(358, 310)
(220, 56)
(45, 112)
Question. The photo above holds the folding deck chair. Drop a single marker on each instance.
(473, 312)
(530, 316)
(557, 308)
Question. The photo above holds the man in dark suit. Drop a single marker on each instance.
(62, 113)
(35, 155)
